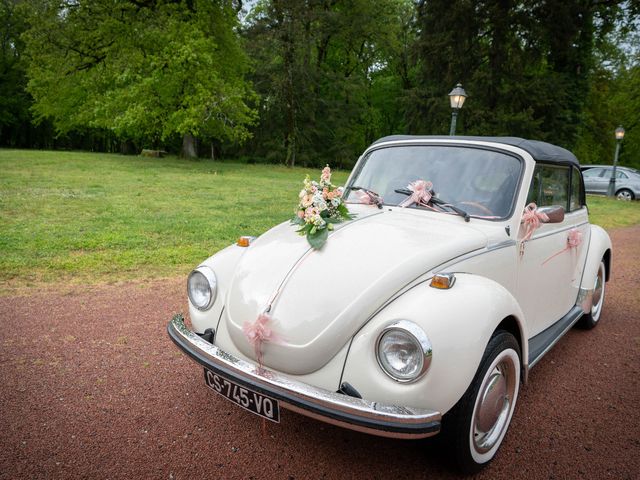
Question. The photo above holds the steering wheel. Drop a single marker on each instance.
(478, 206)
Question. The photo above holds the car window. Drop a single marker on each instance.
(549, 186)
(593, 172)
(576, 190)
(620, 174)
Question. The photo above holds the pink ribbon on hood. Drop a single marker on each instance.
(421, 193)
(574, 239)
(259, 332)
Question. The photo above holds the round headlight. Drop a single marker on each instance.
(201, 287)
(404, 351)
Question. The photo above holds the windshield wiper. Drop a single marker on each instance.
(439, 202)
(375, 198)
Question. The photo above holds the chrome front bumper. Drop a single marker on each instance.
(330, 407)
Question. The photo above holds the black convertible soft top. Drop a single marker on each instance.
(542, 151)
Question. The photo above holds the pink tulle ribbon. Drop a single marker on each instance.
(531, 219)
(421, 193)
(367, 198)
(258, 333)
(574, 239)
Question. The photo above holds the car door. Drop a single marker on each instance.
(549, 271)
(594, 181)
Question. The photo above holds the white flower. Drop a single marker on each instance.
(335, 201)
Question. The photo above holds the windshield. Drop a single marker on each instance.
(482, 182)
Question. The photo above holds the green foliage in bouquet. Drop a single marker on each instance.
(321, 206)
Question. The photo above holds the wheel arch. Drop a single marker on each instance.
(599, 250)
(511, 324)
(607, 263)
(625, 189)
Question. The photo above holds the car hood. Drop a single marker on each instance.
(319, 299)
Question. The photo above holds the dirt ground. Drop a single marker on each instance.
(92, 387)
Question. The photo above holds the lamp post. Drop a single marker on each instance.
(612, 181)
(457, 97)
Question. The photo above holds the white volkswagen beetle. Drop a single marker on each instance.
(464, 261)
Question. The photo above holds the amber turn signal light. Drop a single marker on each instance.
(245, 241)
(443, 281)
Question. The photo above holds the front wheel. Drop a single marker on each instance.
(477, 424)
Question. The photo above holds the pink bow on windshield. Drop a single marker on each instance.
(257, 333)
(531, 219)
(421, 193)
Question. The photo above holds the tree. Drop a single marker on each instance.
(14, 101)
(526, 75)
(325, 71)
(146, 70)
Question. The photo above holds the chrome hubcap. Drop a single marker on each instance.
(598, 294)
(496, 396)
(624, 196)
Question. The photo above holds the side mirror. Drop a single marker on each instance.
(554, 212)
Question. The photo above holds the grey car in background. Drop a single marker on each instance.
(596, 180)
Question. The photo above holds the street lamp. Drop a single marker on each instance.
(457, 97)
(612, 181)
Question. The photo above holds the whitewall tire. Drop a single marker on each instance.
(475, 427)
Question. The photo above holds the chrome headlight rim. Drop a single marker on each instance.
(213, 286)
(421, 340)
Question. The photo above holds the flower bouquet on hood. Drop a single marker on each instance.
(320, 207)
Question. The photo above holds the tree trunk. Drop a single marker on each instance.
(188, 146)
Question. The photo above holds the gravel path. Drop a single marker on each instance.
(92, 387)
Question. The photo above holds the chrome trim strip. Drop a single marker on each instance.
(499, 245)
(330, 407)
(559, 230)
(274, 296)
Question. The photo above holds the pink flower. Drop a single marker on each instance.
(326, 174)
(300, 214)
(307, 201)
(311, 212)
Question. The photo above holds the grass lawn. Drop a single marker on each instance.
(71, 217)
(611, 213)
(84, 217)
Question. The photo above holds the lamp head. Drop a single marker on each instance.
(457, 96)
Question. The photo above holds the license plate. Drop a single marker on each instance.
(248, 399)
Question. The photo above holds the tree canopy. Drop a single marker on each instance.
(145, 70)
(315, 81)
